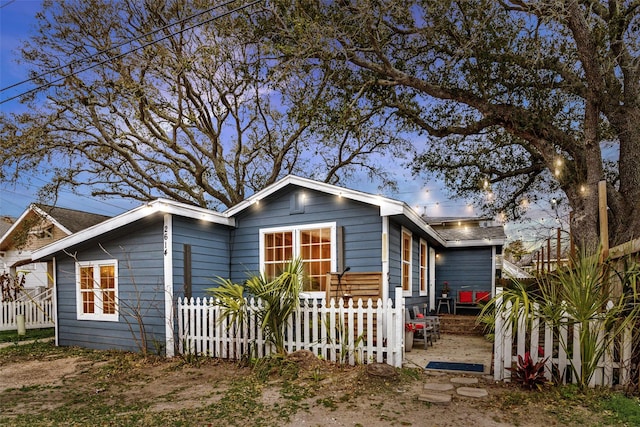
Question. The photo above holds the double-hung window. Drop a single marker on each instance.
(407, 242)
(97, 290)
(424, 260)
(314, 244)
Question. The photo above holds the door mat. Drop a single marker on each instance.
(456, 366)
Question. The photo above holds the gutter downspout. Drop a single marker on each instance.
(55, 299)
(167, 238)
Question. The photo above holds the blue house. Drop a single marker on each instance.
(116, 283)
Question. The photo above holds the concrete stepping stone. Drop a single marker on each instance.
(472, 392)
(439, 387)
(435, 398)
(464, 380)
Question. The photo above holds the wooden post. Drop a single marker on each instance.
(558, 250)
(541, 259)
(604, 219)
(572, 244)
(549, 255)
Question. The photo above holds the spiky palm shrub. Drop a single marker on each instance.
(514, 302)
(580, 295)
(280, 298)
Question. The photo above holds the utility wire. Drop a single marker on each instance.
(46, 85)
(84, 59)
(7, 3)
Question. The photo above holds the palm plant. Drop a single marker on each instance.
(280, 298)
(581, 296)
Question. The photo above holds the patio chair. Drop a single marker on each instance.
(433, 321)
(422, 327)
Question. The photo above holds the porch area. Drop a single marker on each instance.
(452, 348)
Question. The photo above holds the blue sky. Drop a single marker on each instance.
(17, 23)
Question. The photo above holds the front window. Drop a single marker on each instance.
(313, 244)
(97, 290)
(423, 267)
(406, 262)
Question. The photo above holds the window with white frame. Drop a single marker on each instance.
(407, 242)
(423, 268)
(97, 290)
(314, 244)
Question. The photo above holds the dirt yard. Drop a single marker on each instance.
(45, 385)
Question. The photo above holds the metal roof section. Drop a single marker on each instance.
(143, 211)
(513, 271)
(465, 231)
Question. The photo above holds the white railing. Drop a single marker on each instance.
(357, 333)
(560, 345)
(37, 311)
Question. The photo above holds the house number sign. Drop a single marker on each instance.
(166, 239)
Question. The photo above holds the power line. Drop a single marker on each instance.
(33, 187)
(46, 85)
(7, 3)
(84, 59)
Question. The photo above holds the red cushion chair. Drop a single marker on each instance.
(465, 297)
(482, 296)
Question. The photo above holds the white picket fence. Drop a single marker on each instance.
(357, 333)
(37, 310)
(542, 340)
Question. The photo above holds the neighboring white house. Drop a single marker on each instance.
(38, 226)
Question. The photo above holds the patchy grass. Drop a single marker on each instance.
(623, 408)
(32, 334)
(119, 388)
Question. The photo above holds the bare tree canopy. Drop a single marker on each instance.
(184, 100)
(514, 99)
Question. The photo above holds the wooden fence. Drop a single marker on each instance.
(38, 312)
(543, 340)
(338, 332)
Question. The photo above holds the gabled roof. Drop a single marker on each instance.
(5, 224)
(143, 211)
(68, 221)
(388, 207)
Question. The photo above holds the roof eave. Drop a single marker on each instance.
(418, 221)
(32, 208)
(143, 211)
(478, 242)
(387, 206)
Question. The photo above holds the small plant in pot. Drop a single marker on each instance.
(409, 329)
(445, 290)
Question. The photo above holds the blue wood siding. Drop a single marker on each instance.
(138, 248)
(361, 224)
(464, 269)
(395, 262)
(210, 254)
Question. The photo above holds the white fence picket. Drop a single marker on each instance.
(559, 365)
(38, 314)
(352, 333)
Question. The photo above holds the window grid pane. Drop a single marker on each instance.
(423, 267)
(278, 249)
(97, 289)
(406, 261)
(315, 251)
(86, 277)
